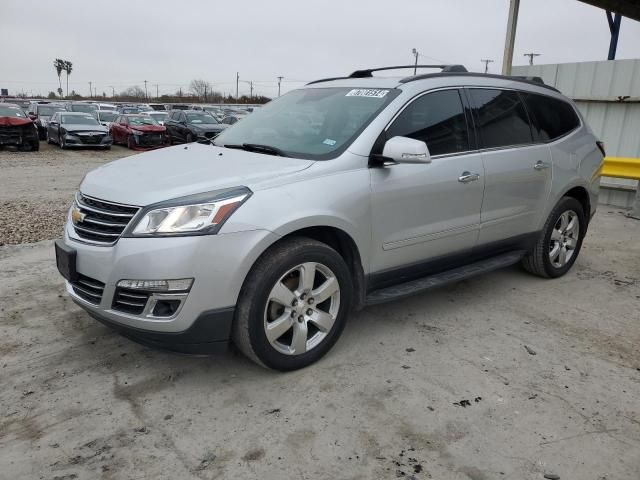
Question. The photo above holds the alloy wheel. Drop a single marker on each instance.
(301, 309)
(564, 238)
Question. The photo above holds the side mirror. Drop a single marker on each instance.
(406, 150)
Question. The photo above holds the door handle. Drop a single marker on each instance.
(467, 177)
(540, 165)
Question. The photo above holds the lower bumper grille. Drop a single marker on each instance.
(130, 301)
(150, 140)
(91, 139)
(88, 289)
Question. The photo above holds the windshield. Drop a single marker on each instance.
(11, 112)
(48, 111)
(79, 119)
(200, 118)
(313, 123)
(160, 116)
(141, 121)
(107, 116)
(83, 108)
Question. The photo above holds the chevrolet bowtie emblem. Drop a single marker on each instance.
(77, 216)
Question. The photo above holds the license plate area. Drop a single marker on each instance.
(66, 261)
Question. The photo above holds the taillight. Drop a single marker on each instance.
(601, 147)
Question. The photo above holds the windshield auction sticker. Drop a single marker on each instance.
(367, 92)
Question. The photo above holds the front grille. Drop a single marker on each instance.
(11, 135)
(91, 139)
(150, 139)
(102, 222)
(130, 301)
(88, 289)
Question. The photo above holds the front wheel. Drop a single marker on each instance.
(189, 138)
(293, 305)
(131, 143)
(560, 240)
(62, 142)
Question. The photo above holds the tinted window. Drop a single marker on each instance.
(437, 119)
(501, 119)
(551, 118)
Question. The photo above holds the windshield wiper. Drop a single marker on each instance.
(256, 147)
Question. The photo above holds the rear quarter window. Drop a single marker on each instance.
(551, 118)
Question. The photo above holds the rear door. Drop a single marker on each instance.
(428, 211)
(517, 170)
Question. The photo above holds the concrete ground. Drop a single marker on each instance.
(505, 376)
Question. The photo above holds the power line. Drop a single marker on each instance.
(486, 61)
(531, 55)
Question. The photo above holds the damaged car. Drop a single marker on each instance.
(41, 113)
(138, 132)
(76, 129)
(16, 129)
(186, 126)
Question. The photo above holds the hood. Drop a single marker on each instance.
(178, 171)
(75, 128)
(148, 128)
(14, 121)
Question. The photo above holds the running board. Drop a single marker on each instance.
(437, 280)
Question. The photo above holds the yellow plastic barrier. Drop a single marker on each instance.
(621, 167)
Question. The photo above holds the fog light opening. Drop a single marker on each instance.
(165, 308)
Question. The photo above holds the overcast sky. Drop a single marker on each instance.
(121, 43)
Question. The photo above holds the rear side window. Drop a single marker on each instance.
(437, 119)
(501, 119)
(551, 118)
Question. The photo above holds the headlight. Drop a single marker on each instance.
(138, 132)
(184, 217)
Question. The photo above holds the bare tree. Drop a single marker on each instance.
(200, 88)
(134, 92)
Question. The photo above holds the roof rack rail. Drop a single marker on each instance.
(537, 81)
(444, 68)
(366, 73)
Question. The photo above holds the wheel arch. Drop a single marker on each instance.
(581, 194)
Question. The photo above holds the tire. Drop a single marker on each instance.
(49, 141)
(62, 143)
(35, 145)
(543, 260)
(131, 144)
(257, 308)
(189, 138)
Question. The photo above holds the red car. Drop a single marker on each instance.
(138, 132)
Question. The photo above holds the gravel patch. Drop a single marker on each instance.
(36, 189)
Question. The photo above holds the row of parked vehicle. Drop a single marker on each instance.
(137, 126)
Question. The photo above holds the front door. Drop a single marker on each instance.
(425, 213)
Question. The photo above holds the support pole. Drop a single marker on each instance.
(510, 40)
(614, 28)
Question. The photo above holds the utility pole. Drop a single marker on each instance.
(146, 97)
(416, 54)
(279, 80)
(90, 90)
(251, 91)
(113, 91)
(237, 81)
(157, 92)
(486, 61)
(510, 40)
(205, 93)
(531, 55)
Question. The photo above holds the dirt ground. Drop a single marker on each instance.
(504, 376)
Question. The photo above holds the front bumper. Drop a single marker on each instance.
(217, 263)
(72, 140)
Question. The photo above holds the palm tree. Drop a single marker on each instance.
(68, 67)
(58, 64)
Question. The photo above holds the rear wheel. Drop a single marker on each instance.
(293, 305)
(559, 244)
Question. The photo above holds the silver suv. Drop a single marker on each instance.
(345, 193)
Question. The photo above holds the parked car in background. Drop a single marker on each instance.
(41, 113)
(127, 109)
(81, 107)
(106, 106)
(77, 129)
(160, 117)
(158, 107)
(178, 106)
(232, 119)
(17, 129)
(106, 117)
(186, 126)
(138, 131)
